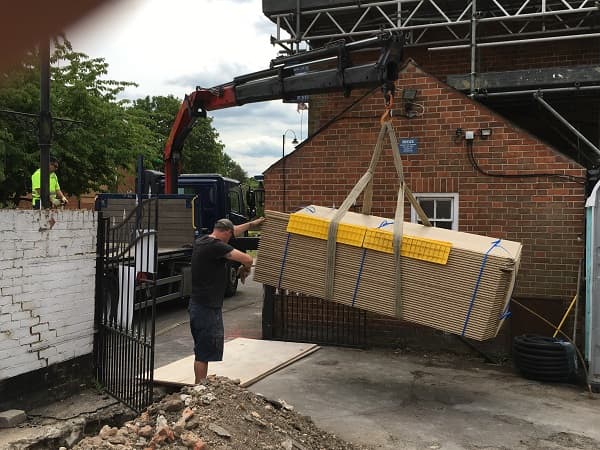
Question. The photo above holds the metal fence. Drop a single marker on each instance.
(125, 304)
(289, 316)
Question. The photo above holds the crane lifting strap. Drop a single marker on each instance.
(365, 183)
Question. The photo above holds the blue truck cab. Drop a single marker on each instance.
(216, 197)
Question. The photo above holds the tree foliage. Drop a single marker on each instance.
(203, 152)
(19, 91)
(103, 134)
(233, 169)
(92, 145)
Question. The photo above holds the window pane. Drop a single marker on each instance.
(444, 209)
(234, 201)
(446, 225)
(427, 206)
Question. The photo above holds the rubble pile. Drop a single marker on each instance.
(217, 414)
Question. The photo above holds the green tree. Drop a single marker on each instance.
(233, 169)
(202, 150)
(92, 147)
(153, 116)
(104, 134)
(93, 153)
(19, 91)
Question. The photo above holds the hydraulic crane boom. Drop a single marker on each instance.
(283, 81)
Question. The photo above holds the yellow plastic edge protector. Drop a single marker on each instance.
(351, 234)
(318, 228)
(375, 239)
(308, 226)
(412, 247)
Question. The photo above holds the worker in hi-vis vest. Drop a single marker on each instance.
(57, 198)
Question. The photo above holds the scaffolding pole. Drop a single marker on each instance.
(566, 123)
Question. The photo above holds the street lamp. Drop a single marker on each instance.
(294, 141)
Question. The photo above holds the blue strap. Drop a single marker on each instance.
(495, 244)
(360, 269)
(285, 250)
(385, 223)
(507, 312)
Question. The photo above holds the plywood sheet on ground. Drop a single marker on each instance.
(248, 360)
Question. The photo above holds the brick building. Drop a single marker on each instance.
(526, 181)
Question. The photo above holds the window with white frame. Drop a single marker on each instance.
(441, 210)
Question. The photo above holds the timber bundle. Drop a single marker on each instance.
(452, 281)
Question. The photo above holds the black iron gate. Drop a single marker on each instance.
(289, 316)
(126, 264)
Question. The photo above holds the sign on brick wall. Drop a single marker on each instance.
(409, 146)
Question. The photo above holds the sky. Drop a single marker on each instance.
(168, 47)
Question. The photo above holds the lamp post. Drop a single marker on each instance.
(294, 141)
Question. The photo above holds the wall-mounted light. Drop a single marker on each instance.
(408, 97)
(485, 133)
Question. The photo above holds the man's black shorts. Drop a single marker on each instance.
(207, 329)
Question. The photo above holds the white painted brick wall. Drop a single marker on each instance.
(46, 288)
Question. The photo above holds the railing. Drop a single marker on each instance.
(295, 317)
(125, 278)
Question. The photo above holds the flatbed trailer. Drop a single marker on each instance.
(170, 245)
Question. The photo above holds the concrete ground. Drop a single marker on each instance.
(398, 400)
(403, 400)
(415, 401)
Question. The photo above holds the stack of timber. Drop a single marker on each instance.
(452, 281)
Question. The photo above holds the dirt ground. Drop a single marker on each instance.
(216, 415)
(221, 415)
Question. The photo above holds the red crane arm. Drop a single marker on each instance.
(194, 105)
(287, 78)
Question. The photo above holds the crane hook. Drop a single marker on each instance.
(388, 99)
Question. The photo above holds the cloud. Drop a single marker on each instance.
(252, 133)
(222, 73)
(264, 27)
(169, 48)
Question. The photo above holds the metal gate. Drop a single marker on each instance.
(289, 316)
(126, 264)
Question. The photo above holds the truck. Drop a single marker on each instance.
(187, 205)
(202, 199)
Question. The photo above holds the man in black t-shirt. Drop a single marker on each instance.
(209, 278)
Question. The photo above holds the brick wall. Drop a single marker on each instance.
(47, 272)
(490, 59)
(544, 213)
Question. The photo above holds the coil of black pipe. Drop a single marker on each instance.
(544, 358)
